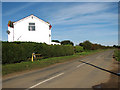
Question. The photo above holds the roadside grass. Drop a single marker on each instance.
(18, 67)
(117, 54)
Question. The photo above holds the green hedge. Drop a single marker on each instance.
(14, 52)
(78, 49)
(117, 54)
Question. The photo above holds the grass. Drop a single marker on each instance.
(117, 54)
(18, 67)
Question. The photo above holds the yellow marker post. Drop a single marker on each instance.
(32, 57)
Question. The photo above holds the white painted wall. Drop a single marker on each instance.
(21, 32)
(55, 43)
(10, 36)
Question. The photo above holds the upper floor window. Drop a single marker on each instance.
(31, 27)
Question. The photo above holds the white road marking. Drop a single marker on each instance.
(44, 81)
(81, 64)
(51, 78)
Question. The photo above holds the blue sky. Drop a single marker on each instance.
(78, 21)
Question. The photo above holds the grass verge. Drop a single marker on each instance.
(18, 67)
(117, 54)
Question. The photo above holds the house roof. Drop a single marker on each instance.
(34, 17)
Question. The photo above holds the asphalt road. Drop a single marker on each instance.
(73, 74)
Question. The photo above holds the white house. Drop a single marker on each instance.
(31, 29)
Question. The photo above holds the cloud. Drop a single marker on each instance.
(86, 21)
(80, 10)
(17, 9)
(85, 16)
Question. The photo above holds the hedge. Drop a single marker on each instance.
(117, 54)
(78, 49)
(14, 52)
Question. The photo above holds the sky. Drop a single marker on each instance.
(74, 21)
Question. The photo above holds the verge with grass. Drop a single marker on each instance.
(117, 54)
(18, 67)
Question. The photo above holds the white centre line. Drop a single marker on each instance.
(81, 64)
(44, 81)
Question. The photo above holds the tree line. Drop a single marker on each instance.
(87, 45)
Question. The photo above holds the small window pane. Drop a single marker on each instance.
(31, 23)
(31, 28)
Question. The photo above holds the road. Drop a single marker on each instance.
(73, 74)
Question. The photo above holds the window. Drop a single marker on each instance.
(31, 27)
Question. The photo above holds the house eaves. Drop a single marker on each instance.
(31, 16)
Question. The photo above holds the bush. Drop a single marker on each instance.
(87, 45)
(78, 49)
(57, 41)
(67, 42)
(14, 52)
(117, 54)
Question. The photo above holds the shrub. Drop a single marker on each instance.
(67, 42)
(117, 54)
(57, 41)
(14, 52)
(86, 45)
(78, 49)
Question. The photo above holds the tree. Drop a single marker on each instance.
(67, 42)
(56, 41)
(80, 44)
(116, 46)
(87, 45)
(78, 49)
